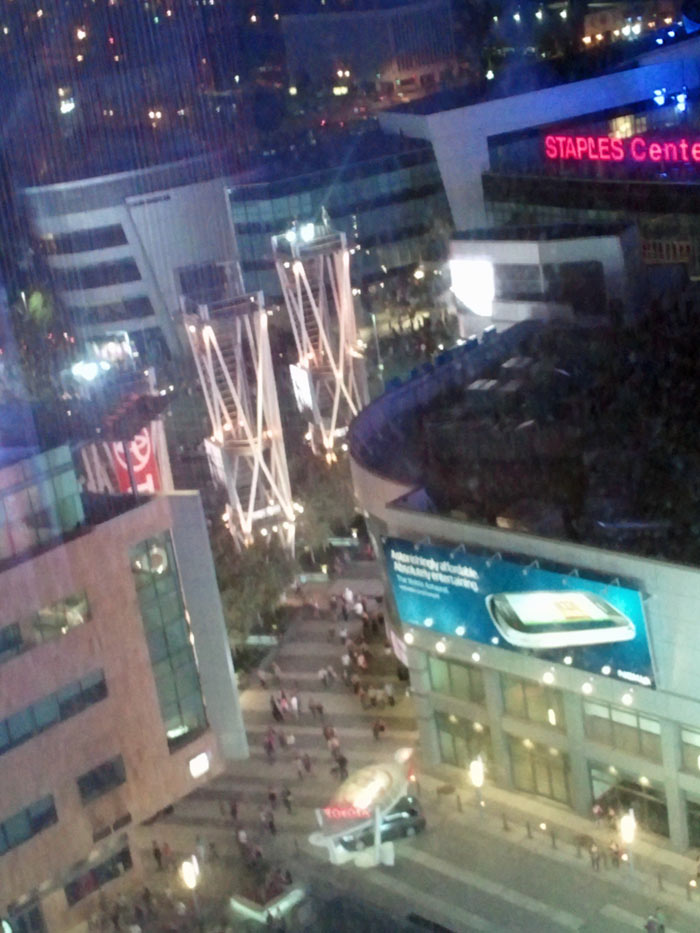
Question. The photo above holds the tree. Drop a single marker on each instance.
(326, 494)
(42, 341)
(251, 581)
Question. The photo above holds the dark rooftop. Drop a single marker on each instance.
(585, 435)
(108, 152)
(332, 151)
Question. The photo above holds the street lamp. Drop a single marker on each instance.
(189, 872)
(628, 829)
(476, 776)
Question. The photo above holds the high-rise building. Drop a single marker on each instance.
(124, 236)
(117, 692)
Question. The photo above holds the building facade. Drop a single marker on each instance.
(505, 660)
(471, 139)
(117, 692)
(382, 193)
(121, 248)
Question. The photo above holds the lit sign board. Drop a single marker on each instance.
(570, 619)
(346, 812)
(573, 148)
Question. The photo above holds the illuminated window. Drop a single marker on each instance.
(531, 700)
(461, 740)
(460, 680)
(168, 638)
(622, 127)
(623, 729)
(57, 619)
(540, 769)
(690, 750)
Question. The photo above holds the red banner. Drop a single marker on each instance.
(143, 463)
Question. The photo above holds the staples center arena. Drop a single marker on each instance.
(621, 145)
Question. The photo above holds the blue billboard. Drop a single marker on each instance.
(571, 619)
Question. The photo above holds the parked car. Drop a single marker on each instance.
(404, 819)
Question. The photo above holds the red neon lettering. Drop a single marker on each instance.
(683, 144)
(617, 150)
(581, 146)
(695, 152)
(570, 149)
(550, 147)
(655, 152)
(670, 151)
(604, 148)
(638, 149)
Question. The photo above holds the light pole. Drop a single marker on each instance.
(628, 829)
(476, 776)
(189, 872)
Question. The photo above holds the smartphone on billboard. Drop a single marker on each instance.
(543, 619)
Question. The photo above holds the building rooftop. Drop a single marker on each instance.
(104, 152)
(333, 151)
(563, 432)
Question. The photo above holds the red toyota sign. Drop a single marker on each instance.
(143, 463)
(346, 812)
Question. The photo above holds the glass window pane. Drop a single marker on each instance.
(17, 829)
(21, 726)
(46, 712)
(513, 699)
(42, 814)
(93, 687)
(447, 752)
(439, 676)
(69, 700)
(459, 677)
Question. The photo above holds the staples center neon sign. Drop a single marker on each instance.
(609, 149)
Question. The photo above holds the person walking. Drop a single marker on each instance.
(377, 728)
(595, 857)
(389, 693)
(323, 676)
(272, 797)
(233, 809)
(306, 762)
(271, 825)
(300, 767)
(660, 917)
(157, 855)
(294, 705)
(287, 800)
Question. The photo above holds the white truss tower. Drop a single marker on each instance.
(231, 349)
(313, 264)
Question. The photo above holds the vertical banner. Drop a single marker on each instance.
(143, 463)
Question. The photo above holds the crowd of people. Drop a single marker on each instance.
(360, 653)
